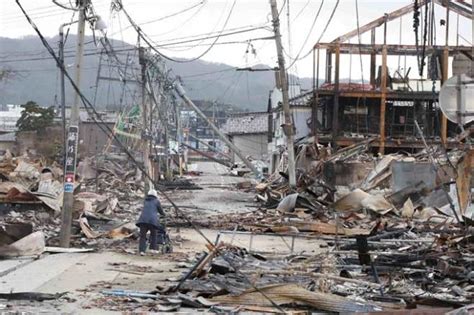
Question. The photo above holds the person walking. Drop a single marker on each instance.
(149, 221)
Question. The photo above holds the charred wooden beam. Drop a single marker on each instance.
(408, 50)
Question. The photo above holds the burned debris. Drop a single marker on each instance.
(352, 197)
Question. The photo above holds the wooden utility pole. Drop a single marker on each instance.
(288, 125)
(145, 113)
(179, 136)
(73, 135)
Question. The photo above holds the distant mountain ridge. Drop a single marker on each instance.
(37, 77)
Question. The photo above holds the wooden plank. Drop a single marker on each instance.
(282, 294)
(328, 66)
(327, 228)
(335, 116)
(383, 88)
(456, 8)
(373, 59)
(444, 78)
(392, 49)
(322, 275)
(463, 181)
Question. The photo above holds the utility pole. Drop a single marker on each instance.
(179, 89)
(214, 121)
(73, 135)
(63, 90)
(179, 136)
(288, 125)
(145, 112)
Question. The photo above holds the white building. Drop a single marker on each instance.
(249, 133)
(9, 115)
(300, 109)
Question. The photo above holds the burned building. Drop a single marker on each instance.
(388, 104)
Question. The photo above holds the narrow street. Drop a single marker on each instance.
(237, 157)
(85, 275)
(219, 194)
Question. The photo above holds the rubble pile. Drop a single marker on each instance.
(110, 199)
(107, 197)
(111, 175)
(401, 237)
(31, 192)
(389, 271)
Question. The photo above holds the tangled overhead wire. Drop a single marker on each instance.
(108, 131)
(416, 26)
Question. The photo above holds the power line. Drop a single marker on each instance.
(185, 22)
(307, 36)
(301, 10)
(229, 31)
(129, 154)
(244, 27)
(167, 16)
(92, 52)
(322, 34)
(207, 73)
(144, 37)
(51, 12)
(214, 28)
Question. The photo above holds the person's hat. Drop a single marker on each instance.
(152, 192)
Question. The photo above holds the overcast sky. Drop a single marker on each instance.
(203, 17)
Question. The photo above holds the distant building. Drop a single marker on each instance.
(9, 115)
(300, 109)
(249, 133)
(7, 142)
(200, 135)
(92, 139)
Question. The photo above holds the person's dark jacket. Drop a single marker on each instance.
(151, 212)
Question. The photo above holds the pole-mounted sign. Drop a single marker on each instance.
(71, 154)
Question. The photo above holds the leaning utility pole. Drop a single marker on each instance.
(179, 136)
(179, 89)
(73, 135)
(288, 125)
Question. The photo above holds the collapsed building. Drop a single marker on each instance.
(388, 104)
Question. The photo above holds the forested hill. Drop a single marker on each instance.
(35, 77)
